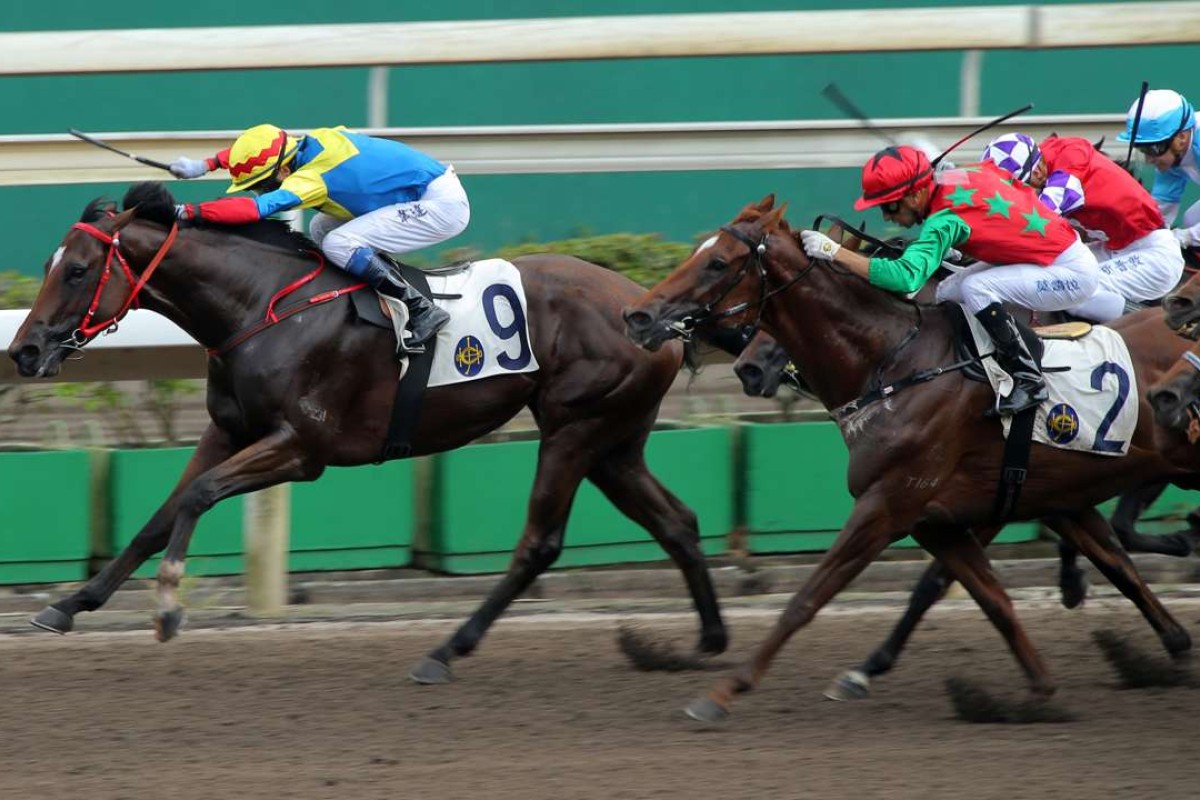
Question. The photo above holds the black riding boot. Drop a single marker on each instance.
(1014, 357)
(424, 318)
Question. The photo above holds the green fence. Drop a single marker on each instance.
(347, 519)
(481, 493)
(459, 512)
(794, 489)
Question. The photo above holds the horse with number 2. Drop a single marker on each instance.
(290, 394)
(924, 460)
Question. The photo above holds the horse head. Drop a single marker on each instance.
(723, 280)
(763, 366)
(1176, 397)
(88, 286)
(1183, 310)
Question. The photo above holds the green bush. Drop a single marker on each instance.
(17, 290)
(642, 257)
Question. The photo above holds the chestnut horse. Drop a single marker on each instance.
(595, 396)
(1176, 397)
(924, 461)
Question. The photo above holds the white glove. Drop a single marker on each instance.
(953, 255)
(184, 167)
(818, 245)
(1185, 236)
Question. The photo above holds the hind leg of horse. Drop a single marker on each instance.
(59, 617)
(269, 461)
(855, 684)
(1130, 507)
(1093, 536)
(624, 479)
(560, 470)
(966, 561)
(867, 532)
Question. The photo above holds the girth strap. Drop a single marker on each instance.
(410, 391)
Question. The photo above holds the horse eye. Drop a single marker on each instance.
(717, 264)
(75, 272)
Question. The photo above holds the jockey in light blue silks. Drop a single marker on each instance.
(1165, 137)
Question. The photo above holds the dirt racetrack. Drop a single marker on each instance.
(549, 709)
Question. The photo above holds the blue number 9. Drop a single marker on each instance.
(514, 328)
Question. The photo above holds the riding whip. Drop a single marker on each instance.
(1137, 119)
(150, 162)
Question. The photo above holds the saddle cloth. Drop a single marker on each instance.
(1093, 402)
(488, 331)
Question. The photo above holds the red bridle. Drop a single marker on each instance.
(87, 329)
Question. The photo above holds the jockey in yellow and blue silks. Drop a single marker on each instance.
(371, 194)
(1166, 138)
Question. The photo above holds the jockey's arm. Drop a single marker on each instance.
(920, 259)
(298, 190)
(219, 161)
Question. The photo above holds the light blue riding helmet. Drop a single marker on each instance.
(1164, 114)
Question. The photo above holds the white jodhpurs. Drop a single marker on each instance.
(441, 213)
(1068, 281)
(1145, 270)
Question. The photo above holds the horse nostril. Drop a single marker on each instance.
(1177, 304)
(751, 376)
(637, 320)
(1165, 399)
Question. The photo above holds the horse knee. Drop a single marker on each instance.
(539, 553)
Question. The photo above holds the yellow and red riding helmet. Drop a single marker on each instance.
(258, 154)
(891, 174)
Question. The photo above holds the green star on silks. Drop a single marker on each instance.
(998, 206)
(1037, 222)
(962, 196)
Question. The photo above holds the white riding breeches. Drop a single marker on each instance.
(1066, 282)
(1145, 270)
(441, 213)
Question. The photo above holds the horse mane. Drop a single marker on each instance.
(155, 203)
(97, 210)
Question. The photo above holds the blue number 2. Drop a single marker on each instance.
(1101, 444)
(514, 328)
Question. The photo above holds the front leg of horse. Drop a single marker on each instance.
(867, 532)
(59, 617)
(269, 461)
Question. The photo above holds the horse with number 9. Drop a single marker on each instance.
(595, 396)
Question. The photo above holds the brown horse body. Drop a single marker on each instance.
(925, 461)
(317, 391)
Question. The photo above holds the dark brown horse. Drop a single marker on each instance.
(924, 461)
(1176, 396)
(595, 396)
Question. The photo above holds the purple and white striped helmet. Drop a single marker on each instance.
(1016, 153)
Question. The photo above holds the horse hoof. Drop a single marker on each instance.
(707, 710)
(1178, 643)
(850, 685)
(713, 644)
(1074, 589)
(53, 620)
(431, 671)
(167, 624)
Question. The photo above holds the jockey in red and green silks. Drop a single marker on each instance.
(1027, 255)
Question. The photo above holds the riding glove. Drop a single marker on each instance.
(185, 211)
(1185, 236)
(184, 167)
(818, 245)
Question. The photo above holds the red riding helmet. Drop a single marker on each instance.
(892, 173)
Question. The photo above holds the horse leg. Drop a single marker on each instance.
(1072, 581)
(1093, 536)
(855, 684)
(269, 461)
(867, 532)
(966, 561)
(59, 617)
(560, 470)
(624, 479)
(1130, 507)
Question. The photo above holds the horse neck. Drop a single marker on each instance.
(209, 294)
(837, 328)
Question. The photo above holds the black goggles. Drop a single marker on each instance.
(890, 208)
(1156, 149)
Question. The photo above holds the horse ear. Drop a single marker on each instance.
(773, 218)
(767, 203)
(123, 219)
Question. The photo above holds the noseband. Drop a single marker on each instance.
(88, 329)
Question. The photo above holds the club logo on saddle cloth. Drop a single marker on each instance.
(1093, 406)
(488, 331)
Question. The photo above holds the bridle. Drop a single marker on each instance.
(707, 314)
(88, 329)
